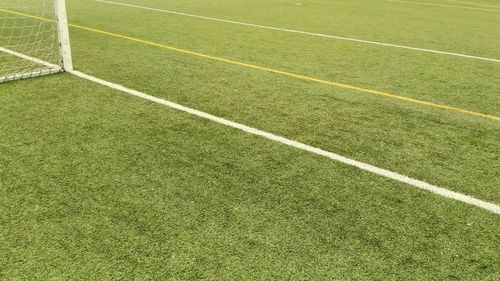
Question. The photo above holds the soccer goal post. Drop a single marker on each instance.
(34, 39)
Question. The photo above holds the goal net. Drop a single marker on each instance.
(33, 39)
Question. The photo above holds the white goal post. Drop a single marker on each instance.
(34, 39)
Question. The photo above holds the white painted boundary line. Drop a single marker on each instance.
(491, 207)
(443, 5)
(305, 32)
(339, 158)
(52, 68)
(474, 4)
(29, 58)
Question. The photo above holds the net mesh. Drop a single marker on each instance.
(24, 34)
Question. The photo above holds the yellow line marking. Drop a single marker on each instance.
(284, 73)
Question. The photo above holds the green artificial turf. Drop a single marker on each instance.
(445, 148)
(95, 184)
(453, 81)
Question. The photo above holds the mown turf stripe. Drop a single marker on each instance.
(305, 32)
(488, 206)
(280, 72)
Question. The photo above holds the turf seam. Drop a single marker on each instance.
(488, 206)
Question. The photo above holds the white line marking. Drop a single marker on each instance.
(491, 207)
(474, 4)
(339, 158)
(52, 68)
(443, 5)
(32, 59)
(306, 33)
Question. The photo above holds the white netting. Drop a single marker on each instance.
(27, 30)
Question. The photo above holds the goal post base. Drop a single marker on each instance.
(48, 70)
(33, 74)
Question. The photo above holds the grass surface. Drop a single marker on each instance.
(95, 184)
